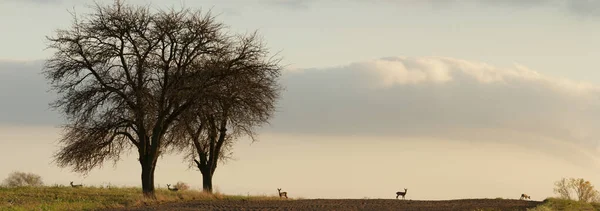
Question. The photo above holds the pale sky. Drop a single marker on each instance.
(448, 98)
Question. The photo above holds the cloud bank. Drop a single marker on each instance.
(442, 98)
(24, 95)
(428, 98)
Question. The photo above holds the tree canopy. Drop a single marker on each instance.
(238, 106)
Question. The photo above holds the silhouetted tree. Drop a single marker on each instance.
(124, 75)
(234, 108)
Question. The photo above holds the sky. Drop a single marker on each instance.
(447, 98)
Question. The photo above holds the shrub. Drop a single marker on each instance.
(20, 179)
(182, 186)
(541, 208)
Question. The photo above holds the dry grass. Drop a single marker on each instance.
(92, 198)
(552, 204)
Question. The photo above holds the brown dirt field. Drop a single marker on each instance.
(347, 205)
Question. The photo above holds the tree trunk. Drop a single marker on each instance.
(207, 181)
(148, 179)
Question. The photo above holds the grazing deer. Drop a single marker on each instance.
(172, 189)
(525, 196)
(282, 194)
(75, 186)
(401, 193)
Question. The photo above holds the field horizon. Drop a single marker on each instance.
(120, 198)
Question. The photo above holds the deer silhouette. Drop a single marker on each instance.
(525, 196)
(172, 189)
(75, 186)
(282, 194)
(401, 193)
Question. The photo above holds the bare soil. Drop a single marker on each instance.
(347, 205)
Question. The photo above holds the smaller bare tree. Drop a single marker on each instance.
(21, 179)
(562, 187)
(244, 101)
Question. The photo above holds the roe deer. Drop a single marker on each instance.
(172, 189)
(525, 196)
(282, 194)
(401, 193)
(75, 186)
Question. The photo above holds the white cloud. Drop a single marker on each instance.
(437, 97)
(390, 72)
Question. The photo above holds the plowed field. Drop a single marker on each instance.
(346, 205)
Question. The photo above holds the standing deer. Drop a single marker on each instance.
(401, 193)
(172, 189)
(282, 194)
(525, 196)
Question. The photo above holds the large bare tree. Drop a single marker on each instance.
(235, 108)
(124, 74)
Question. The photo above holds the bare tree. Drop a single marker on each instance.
(234, 108)
(124, 75)
(562, 188)
(583, 189)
